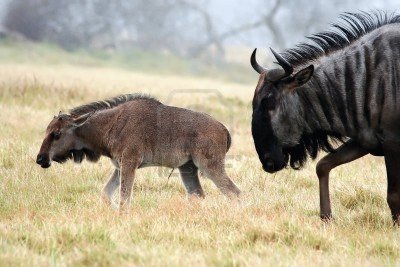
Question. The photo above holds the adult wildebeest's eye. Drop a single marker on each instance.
(268, 102)
(56, 135)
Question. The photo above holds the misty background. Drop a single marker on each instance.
(211, 33)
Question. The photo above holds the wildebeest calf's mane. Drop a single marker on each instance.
(108, 104)
(352, 27)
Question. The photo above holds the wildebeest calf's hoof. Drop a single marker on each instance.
(123, 211)
(105, 200)
(326, 217)
(195, 197)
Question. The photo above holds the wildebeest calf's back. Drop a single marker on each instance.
(165, 135)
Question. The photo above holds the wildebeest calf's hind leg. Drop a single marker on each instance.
(190, 179)
(392, 160)
(111, 186)
(347, 152)
(214, 169)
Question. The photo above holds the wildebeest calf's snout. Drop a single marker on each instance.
(43, 160)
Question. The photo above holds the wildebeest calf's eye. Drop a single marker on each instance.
(56, 135)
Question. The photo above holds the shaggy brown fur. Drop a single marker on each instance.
(138, 131)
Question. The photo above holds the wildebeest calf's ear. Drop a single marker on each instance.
(303, 76)
(81, 120)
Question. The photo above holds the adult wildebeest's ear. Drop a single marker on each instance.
(298, 79)
(81, 120)
(303, 76)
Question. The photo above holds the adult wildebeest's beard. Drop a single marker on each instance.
(309, 146)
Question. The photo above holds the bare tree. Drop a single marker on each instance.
(216, 39)
(182, 27)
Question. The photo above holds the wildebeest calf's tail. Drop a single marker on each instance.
(229, 140)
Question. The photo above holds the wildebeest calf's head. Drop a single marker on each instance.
(272, 85)
(61, 141)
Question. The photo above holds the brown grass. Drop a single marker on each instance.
(55, 217)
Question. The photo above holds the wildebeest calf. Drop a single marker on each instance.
(137, 131)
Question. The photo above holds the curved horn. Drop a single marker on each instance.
(284, 64)
(260, 69)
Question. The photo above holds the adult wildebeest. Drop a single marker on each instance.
(137, 131)
(345, 86)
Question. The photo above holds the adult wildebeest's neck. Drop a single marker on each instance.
(348, 95)
(352, 93)
(332, 103)
(308, 119)
(325, 104)
(350, 87)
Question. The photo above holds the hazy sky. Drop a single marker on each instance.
(228, 14)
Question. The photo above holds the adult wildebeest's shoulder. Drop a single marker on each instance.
(345, 87)
(137, 131)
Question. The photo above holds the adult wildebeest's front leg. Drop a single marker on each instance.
(347, 152)
(392, 161)
(190, 179)
(112, 185)
(129, 164)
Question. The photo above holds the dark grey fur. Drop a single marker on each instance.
(345, 87)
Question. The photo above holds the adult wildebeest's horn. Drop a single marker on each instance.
(284, 64)
(260, 69)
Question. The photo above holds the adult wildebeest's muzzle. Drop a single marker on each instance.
(272, 164)
(267, 147)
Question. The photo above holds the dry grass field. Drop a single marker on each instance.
(54, 217)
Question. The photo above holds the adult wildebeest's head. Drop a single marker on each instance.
(272, 85)
(61, 141)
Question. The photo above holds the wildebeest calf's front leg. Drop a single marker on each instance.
(112, 185)
(128, 169)
(347, 152)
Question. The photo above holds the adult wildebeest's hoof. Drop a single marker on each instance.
(396, 220)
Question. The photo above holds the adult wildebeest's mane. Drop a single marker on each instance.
(108, 103)
(351, 28)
